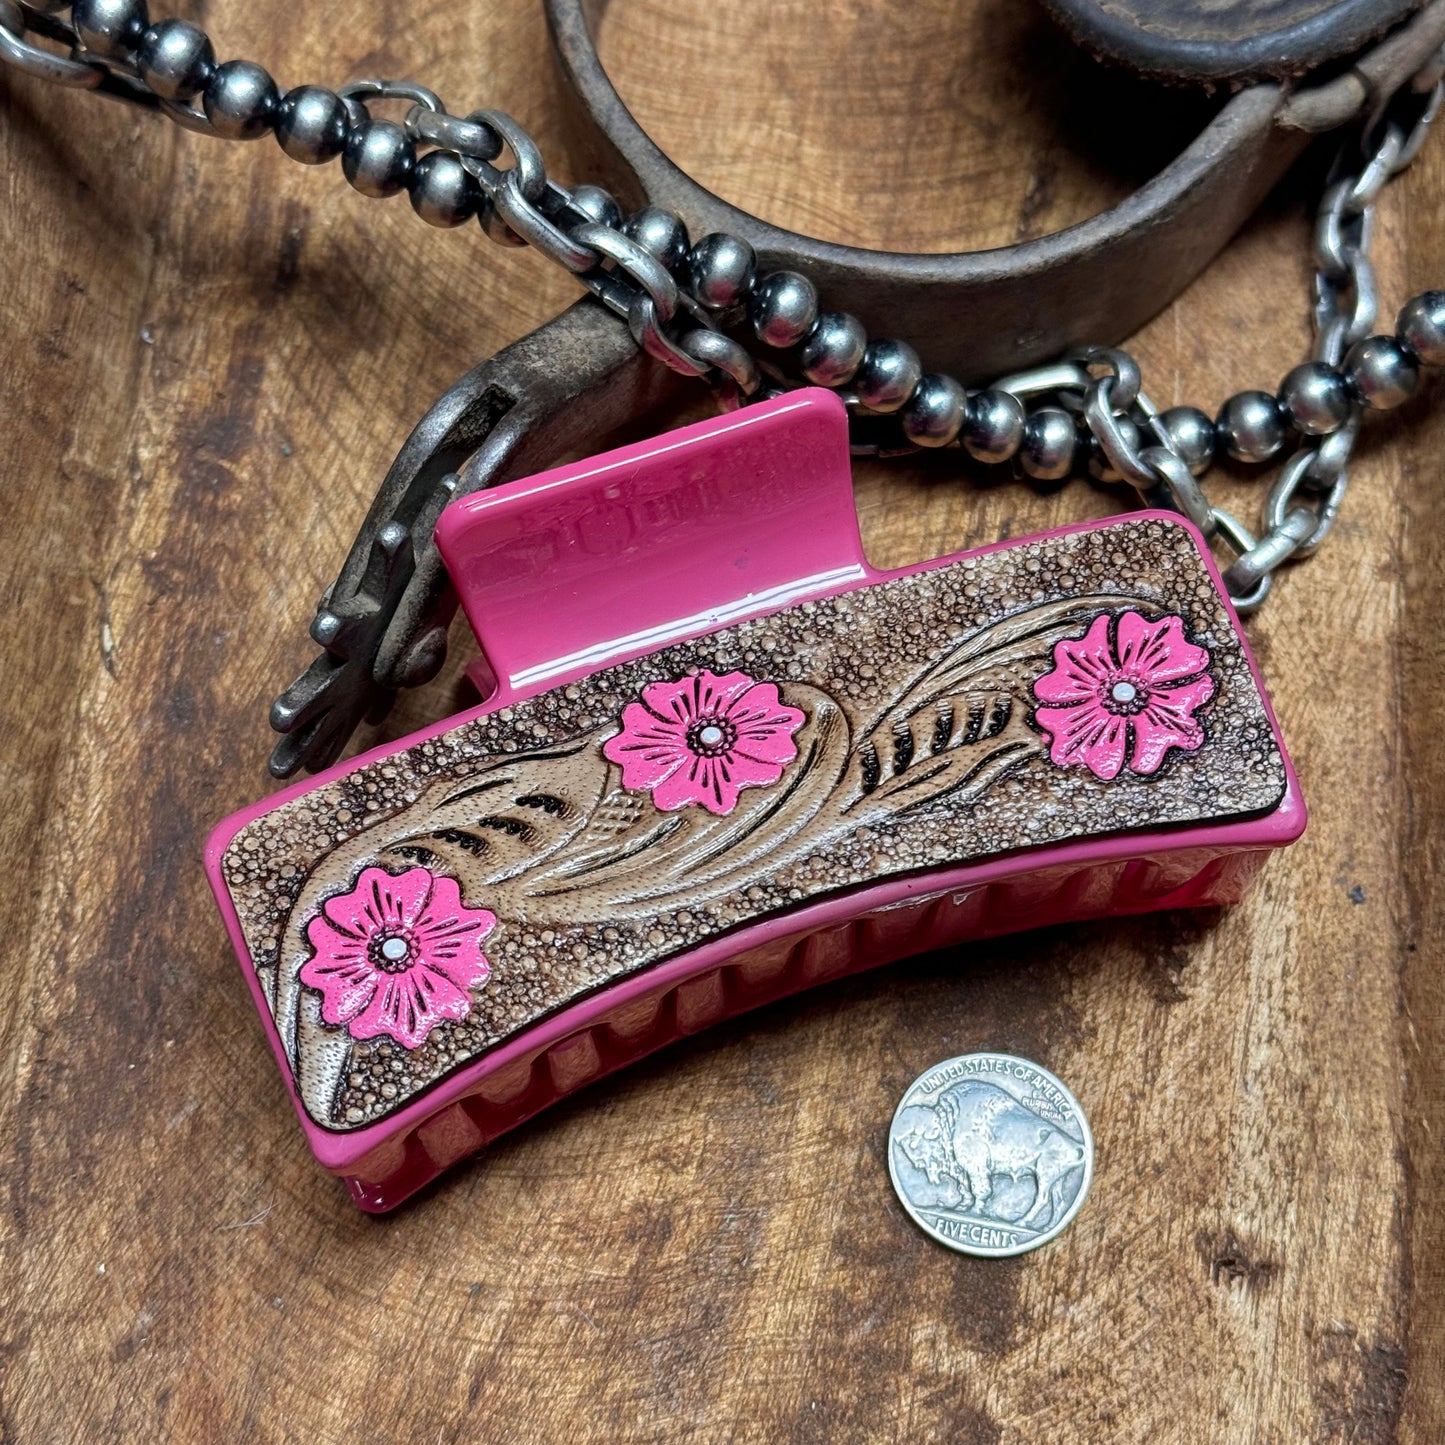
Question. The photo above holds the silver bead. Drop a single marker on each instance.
(492, 223)
(379, 158)
(240, 101)
(109, 27)
(933, 415)
(1421, 326)
(1251, 426)
(175, 59)
(722, 268)
(834, 349)
(890, 371)
(597, 205)
(443, 192)
(1317, 398)
(1099, 465)
(659, 233)
(993, 430)
(1191, 434)
(311, 125)
(783, 308)
(1047, 451)
(1382, 372)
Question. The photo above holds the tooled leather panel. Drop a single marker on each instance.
(920, 723)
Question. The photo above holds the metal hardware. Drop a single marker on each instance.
(1057, 376)
(989, 312)
(1254, 566)
(418, 95)
(383, 624)
(1241, 542)
(18, 53)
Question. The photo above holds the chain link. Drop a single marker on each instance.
(1305, 499)
(18, 53)
(695, 329)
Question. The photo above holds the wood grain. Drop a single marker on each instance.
(210, 356)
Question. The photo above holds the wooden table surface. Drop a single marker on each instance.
(210, 355)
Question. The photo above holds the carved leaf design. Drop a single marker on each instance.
(479, 829)
(653, 861)
(505, 818)
(551, 837)
(963, 722)
(952, 742)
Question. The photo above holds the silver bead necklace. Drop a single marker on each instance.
(707, 309)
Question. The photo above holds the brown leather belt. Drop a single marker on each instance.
(985, 313)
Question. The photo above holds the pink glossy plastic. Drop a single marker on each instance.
(612, 558)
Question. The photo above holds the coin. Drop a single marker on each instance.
(990, 1154)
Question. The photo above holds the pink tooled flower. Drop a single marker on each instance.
(1126, 682)
(704, 739)
(397, 955)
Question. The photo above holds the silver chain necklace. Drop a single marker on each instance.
(707, 310)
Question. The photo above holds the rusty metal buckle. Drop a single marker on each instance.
(383, 623)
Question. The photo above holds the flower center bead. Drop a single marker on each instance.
(1124, 696)
(709, 737)
(391, 952)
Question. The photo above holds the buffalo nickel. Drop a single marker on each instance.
(990, 1154)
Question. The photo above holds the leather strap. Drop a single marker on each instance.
(1227, 42)
(985, 313)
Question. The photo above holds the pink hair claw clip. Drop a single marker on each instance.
(720, 759)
